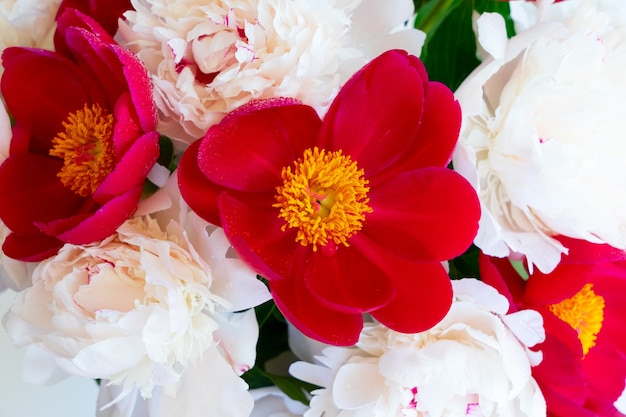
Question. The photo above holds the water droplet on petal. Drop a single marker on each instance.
(329, 249)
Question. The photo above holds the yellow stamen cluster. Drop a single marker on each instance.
(585, 313)
(324, 197)
(86, 148)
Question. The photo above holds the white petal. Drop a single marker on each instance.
(349, 390)
(236, 337)
(527, 326)
(208, 388)
(492, 34)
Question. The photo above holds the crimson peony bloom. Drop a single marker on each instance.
(83, 142)
(583, 306)
(347, 215)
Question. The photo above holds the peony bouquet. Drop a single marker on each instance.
(351, 208)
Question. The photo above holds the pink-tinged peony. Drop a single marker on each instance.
(583, 307)
(207, 58)
(83, 142)
(161, 311)
(346, 215)
(106, 12)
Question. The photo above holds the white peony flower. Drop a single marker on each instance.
(542, 132)
(474, 362)
(153, 307)
(27, 23)
(207, 58)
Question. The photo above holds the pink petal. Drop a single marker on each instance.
(140, 87)
(126, 130)
(423, 296)
(247, 152)
(377, 113)
(91, 227)
(313, 318)
(426, 215)
(131, 170)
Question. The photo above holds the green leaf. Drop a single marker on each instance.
(294, 388)
(466, 265)
(431, 13)
(449, 53)
(272, 333)
(166, 155)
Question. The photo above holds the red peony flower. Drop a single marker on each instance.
(83, 142)
(584, 354)
(347, 215)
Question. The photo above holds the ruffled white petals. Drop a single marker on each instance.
(28, 23)
(208, 58)
(543, 155)
(141, 309)
(209, 388)
(471, 363)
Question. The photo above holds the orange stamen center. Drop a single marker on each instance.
(324, 197)
(585, 313)
(86, 148)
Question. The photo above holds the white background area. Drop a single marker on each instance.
(73, 397)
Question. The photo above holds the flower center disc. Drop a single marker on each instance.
(585, 313)
(324, 197)
(86, 148)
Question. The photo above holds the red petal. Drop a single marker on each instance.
(560, 378)
(247, 152)
(500, 274)
(31, 192)
(131, 170)
(197, 191)
(96, 57)
(423, 296)
(32, 248)
(313, 318)
(126, 130)
(91, 227)
(377, 112)
(426, 215)
(68, 17)
(562, 283)
(139, 86)
(581, 251)
(253, 229)
(437, 135)
(347, 280)
(40, 101)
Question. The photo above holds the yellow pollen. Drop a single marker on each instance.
(585, 313)
(324, 197)
(86, 148)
